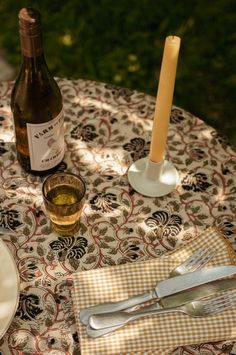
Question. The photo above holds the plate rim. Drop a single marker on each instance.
(11, 258)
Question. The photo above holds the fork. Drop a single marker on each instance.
(202, 308)
(195, 261)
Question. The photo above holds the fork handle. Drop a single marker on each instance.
(115, 306)
(96, 333)
(120, 318)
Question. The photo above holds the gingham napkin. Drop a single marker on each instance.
(152, 335)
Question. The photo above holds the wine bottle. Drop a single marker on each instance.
(36, 103)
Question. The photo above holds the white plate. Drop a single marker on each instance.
(9, 288)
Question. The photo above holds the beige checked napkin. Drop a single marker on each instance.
(152, 335)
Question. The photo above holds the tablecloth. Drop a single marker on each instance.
(106, 129)
(152, 335)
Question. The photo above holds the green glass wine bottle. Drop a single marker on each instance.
(36, 103)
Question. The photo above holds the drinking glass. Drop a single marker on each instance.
(64, 195)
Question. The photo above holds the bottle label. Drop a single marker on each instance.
(46, 143)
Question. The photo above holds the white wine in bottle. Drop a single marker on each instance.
(36, 103)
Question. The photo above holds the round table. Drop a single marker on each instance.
(106, 129)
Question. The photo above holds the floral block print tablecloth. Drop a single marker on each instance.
(106, 129)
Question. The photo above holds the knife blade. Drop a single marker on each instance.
(197, 292)
(176, 300)
(163, 288)
(181, 283)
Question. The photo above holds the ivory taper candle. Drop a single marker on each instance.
(164, 98)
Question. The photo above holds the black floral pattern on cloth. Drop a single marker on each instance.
(113, 120)
(62, 166)
(84, 132)
(69, 247)
(221, 138)
(9, 219)
(29, 307)
(227, 228)
(30, 270)
(176, 116)
(125, 93)
(138, 148)
(228, 167)
(198, 182)
(2, 148)
(132, 250)
(197, 154)
(217, 348)
(104, 202)
(165, 225)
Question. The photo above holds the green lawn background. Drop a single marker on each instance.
(121, 42)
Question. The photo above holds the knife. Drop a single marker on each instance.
(163, 288)
(175, 301)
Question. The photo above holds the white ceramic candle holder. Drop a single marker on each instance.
(153, 179)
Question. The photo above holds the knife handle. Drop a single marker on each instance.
(115, 306)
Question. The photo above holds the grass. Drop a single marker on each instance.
(121, 42)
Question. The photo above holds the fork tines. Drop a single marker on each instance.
(221, 302)
(200, 258)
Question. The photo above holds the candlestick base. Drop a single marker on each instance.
(153, 179)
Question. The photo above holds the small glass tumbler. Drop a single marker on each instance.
(64, 196)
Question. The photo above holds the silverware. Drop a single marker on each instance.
(195, 261)
(201, 308)
(175, 300)
(187, 281)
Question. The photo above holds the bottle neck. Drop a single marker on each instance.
(31, 45)
(34, 64)
(32, 52)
